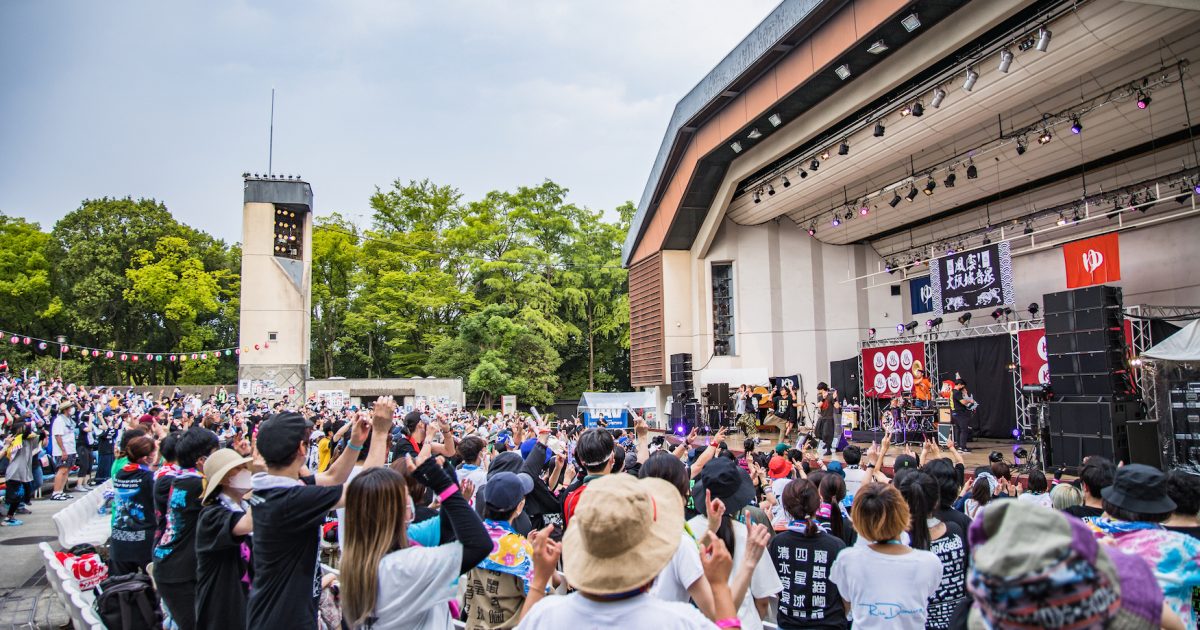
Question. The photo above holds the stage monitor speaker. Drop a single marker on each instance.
(1144, 444)
(1070, 450)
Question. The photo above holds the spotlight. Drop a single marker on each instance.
(836, 221)
(1076, 218)
(900, 329)
(814, 165)
(864, 210)
(911, 22)
(933, 323)
(912, 194)
(770, 189)
(825, 154)
(754, 134)
(987, 240)
(1029, 228)
(1143, 100)
(965, 318)
(972, 77)
(918, 110)
(1062, 220)
(1006, 59)
(757, 197)
(1033, 309)
(972, 172)
(889, 267)
(844, 148)
(786, 183)
(879, 129)
(906, 110)
(878, 48)
(1075, 126)
(895, 200)
(775, 120)
(911, 326)
(812, 229)
(998, 313)
(949, 181)
(939, 95)
(1043, 42)
(1046, 136)
(1021, 146)
(246, 174)
(842, 72)
(1196, 188)
(929, 186)
(849, 214)
(801, 172)
(736, 146)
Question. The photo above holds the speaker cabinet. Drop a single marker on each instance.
(1144, 444)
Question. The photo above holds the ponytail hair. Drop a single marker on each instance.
(802, 500)
(920, 491)
(833, 490)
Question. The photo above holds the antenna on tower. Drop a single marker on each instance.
(271, 137)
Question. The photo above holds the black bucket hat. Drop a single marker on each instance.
(1139, 488)
(727, 482)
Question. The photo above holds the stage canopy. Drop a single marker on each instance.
(1181, 346)
(734, 376)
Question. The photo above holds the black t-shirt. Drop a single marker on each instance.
(287, 533)
(133, 520)
(175, 555)
(223, 569)
(809, 599)
(1194, 532)
(951, 515)
(1084, 512)
(951, 549)
(162, 492)
(785, 407)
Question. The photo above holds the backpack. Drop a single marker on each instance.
(128, 602)
(571, 502)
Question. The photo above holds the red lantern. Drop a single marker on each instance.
(135, 358)
(66, 349)
(193, 356)
(108, 355)
(26, 341)
(172, 357)
(255, 345)
(237, 350)
(149, 357)
(15, 339)
(42, 346)
(95, 353)
(126, 356)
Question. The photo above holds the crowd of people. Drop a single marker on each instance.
(296, 515)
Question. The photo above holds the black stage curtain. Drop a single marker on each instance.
(1160, 330)
(983, 364)
(843, 376)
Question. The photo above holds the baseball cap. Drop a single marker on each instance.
(506, 489)
(281, 434)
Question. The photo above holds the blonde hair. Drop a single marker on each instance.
(376, 502)
(879, 512)
(1065, 495)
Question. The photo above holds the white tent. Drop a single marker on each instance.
(1184, 345)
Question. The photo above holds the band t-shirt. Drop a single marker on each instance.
(951, 549)
(809, 599)
(133, 521)
(175, 555)
(887, 591)
(288, 513)
(785, 407)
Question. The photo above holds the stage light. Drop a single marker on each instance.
(912, 194)
(825, 154)
(929, 186)
(1196, 189)
(842, 72)
(911, 22)
(864, 210)
(950, 251)
(889, 267)
(918, 110)
(736, 146)
(786, 183)
(911, 326)
(1006, 59)
(814, 165)
(1043, 42)
(906, 110)
(757, 197)
(1046, 136)
(987, 240)
(972, 77)
(895, 200)
(878, 48)
(972, 172)
(770, 189)
(801, 172)
(1076, 218)
(998, 313)
(870, 333)
(849, 214)
(1143, 100)
(1029, 228)
(879, 129)
(754, 134)
(1033, 309)
(775, 120)
(836, 221)
(1075, 126)
(933, 323)
(965, 318)
(949, 181)
(1021, 146)
(1062, 220)
(939, 95)
(246, 174)
(812, 229)
(844, 148)
(900, 329)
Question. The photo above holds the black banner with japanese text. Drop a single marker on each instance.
(974, 279)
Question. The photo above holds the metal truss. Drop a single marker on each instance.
(1142, 341)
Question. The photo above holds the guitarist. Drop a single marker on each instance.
(961, 407)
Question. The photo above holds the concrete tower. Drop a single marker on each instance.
(276, 287)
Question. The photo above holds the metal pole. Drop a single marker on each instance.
(271, 137)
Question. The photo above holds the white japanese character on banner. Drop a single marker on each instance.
(820, 556)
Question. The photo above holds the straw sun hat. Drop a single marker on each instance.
(217, 466)
(623, 532)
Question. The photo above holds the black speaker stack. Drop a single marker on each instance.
(716, 404)
(1096, 409)
(685, 410)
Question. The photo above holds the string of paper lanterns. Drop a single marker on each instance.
(85, 352)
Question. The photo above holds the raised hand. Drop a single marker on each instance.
(545, 554)
(715, 509)
(757, 539)
(382, 414)
(468, 489)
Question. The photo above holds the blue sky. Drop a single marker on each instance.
(171, 99)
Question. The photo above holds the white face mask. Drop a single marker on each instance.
(240, 481)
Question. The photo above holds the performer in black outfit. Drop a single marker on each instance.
(827, 407)
(961, 404)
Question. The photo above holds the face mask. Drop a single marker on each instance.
(240, 481)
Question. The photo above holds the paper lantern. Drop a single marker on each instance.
(126, 356)
(236, 351)
(255, 345)
(66, 349)
(26, 341)
(42, 346)
(158, 357)
(135, 358)
(95, 353)
(266, 345)
(172, 357)
(204, 355)
(228, 352)
(108, 355)
(193, 356)
(183, 357)
(83, 352)
(149, 357)
(14, 339)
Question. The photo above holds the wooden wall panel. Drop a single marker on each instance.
(647, 363)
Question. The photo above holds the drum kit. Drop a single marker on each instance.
(911, 416)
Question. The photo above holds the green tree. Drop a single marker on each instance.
(27, 301)
(336, 277)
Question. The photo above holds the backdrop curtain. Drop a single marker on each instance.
(983, 363)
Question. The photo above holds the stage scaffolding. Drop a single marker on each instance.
(1026, 413)
(1140, 317)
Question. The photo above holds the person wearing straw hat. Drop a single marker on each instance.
(623, 533)
(223, 542)
(62, 434)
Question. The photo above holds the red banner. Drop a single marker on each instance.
(1092, 261)
(887, 371)
(1032, 346)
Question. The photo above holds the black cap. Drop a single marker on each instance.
(903, 461)
(281, 434)
(727, 482)
(1139, 488)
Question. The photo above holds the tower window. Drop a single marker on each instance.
(289, 232)
(722, 301)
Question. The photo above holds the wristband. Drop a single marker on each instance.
(731, 622)
(354, 447)
(447, 492)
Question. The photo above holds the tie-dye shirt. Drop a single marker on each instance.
(1174, 557)
(511, 552)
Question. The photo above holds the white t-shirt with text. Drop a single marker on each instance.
(887, 591)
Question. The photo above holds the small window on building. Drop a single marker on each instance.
(722, 301)
(272, 336)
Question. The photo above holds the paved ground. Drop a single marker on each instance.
(26, 599)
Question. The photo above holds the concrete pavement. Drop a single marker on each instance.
(26, 599)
